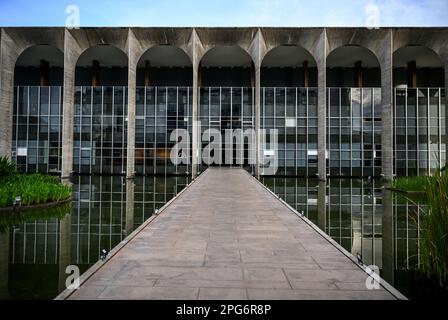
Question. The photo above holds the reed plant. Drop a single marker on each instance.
(434, 233)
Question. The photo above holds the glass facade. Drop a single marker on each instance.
(293, 112)
(37, 128)
(354, 132)
(224, 108)
(159, 112)
(419, 130)
(100, 130)
(353, 129)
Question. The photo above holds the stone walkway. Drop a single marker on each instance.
(226, 237)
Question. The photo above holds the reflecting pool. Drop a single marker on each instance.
(36, 247)
(365, 218)
(362, 216)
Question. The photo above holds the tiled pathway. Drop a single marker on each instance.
(226, 237)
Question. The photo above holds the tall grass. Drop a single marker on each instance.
(434, 234)
(32, 188)
(7, 167)
(415, 183)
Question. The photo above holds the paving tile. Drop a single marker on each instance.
(228, 240)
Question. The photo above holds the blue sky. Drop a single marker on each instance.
(292, 13)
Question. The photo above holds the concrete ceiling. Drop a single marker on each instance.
(346, 56)
(31, 57)
(108, 56)
(288, 56)
(226, 56)
(165, 56)
(424, 57)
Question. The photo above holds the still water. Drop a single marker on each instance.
(35, 248)
(35, 253)
(365, 218)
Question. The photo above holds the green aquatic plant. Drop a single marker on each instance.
(32, 189)
(434, 234)
(414, 183)
(7, 167)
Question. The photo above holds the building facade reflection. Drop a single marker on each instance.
(105, 209)
(363, 217)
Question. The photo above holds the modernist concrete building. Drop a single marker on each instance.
(346, 101)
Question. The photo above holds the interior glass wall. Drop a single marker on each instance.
(100, 136)
(354, 132)
(37, 128)
(159, 112)
(293, 112)
(419, 130)
(224, 108)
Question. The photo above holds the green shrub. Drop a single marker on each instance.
(7, 167)
(32, 188)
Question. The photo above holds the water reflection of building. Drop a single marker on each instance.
(361, 216)
(38, 252)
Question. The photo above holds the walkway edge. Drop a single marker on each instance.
(397, 294)
(64, 295)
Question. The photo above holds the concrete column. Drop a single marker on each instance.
(4, 265)
(71, 53)
(257, 50)
(196, 53)
(258, 120)
(387, 223)
(412, 74)
(321, 57)
(8, 57)
(358, 74)
(134, 52)
(44, 73)
(306, 74)
(322, 205)
(385, 57)
(65, 243)
(195, 153)
(147, 73)
(130, 188)
(95, 73)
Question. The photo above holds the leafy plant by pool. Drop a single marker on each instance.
(31, 188)
(434, 221)
(434, 234)
(415, 183)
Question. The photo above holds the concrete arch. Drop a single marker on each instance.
(242, 56)
(306, 38)
(106, 56)
(273, 50)
(210, 38)
(19, 40)
(418, 66)
(350, 62)
(434, 39)
(14, 41)
(292, 63)
(164, 65)
(45, 57)
(227, 66)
